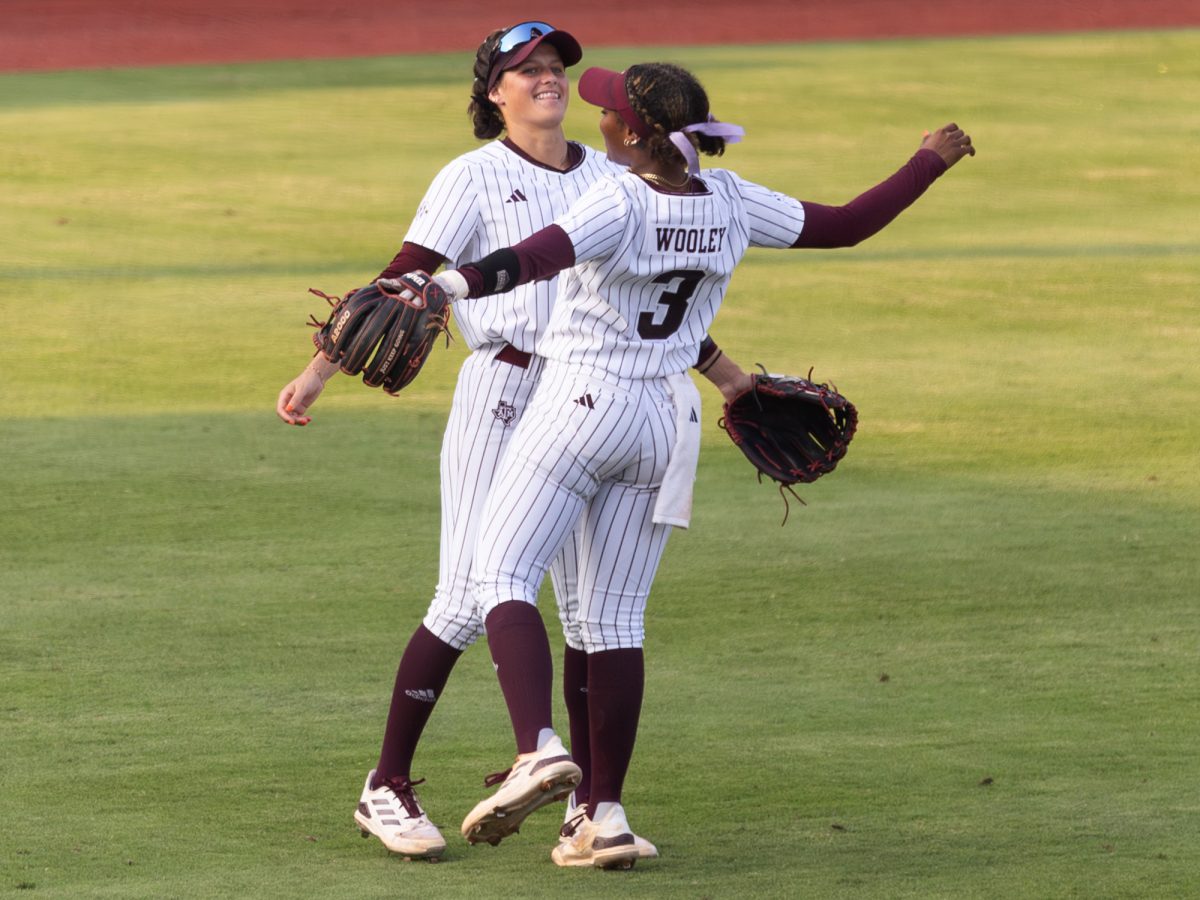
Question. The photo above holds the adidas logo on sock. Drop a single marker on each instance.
(425, 695)
(517, 197)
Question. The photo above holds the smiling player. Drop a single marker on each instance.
(484, 200)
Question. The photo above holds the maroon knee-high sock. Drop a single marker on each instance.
(422, 674)
(521, 651)
(616, 681)
(575, 693)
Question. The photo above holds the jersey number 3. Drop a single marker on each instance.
(675, 301)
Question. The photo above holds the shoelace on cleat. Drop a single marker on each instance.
(403, 789)
(496, 778)
(572, 824)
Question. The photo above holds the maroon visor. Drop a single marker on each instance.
(518, 42)
(606, 89)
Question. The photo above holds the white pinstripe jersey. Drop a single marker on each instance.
(652, 268)
(489, 199)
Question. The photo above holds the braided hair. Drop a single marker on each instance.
(485, 115)
(668, 98)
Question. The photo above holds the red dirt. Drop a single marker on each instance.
(75, 34)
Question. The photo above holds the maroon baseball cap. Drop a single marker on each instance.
(606, 89)
(518, 42)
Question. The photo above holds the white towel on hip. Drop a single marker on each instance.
(674, 504)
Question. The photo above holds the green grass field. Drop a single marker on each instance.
(968, 668)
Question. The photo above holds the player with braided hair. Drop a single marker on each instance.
(491, 197)
(646, 258)
(669, 92)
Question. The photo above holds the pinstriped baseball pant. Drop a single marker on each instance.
(489, 400)
(589, 452)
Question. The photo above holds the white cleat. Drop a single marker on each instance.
(393, 814)
(607, 844)
(574, 818)
(535, 780)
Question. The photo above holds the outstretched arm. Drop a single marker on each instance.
(302, 391)
(541, 256)
(826, 227)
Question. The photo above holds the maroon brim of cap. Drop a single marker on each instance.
(606, 89)
(568, 49)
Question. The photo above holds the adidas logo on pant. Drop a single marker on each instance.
(425, 695)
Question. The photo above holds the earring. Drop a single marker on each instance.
(630, 142)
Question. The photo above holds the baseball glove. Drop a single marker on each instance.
(791, 429)
(384, 336)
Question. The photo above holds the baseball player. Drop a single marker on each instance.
(646, 257)
(484, 200)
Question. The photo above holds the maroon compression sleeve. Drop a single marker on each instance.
(545, 253)
(867, 214)
(413, 258)
(540, 256)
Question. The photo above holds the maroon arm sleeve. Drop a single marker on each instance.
(844, 226)
(540, 256)
(544, 254)
(412, 258)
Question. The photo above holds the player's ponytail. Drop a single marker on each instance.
(486, 118)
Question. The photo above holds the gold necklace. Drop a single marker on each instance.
(659, 180)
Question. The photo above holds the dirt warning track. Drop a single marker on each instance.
(75, 34)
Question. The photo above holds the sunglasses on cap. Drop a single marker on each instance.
(516, 44)
(519, 34)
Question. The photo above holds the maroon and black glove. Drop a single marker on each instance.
(791, 429)
(385, 336)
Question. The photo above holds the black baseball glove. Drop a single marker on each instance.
(791, 429)
(385, 336)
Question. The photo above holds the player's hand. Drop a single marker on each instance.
(412, 287)
(298, 395)
(731, 389)
(950, 142)
(409, 288)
